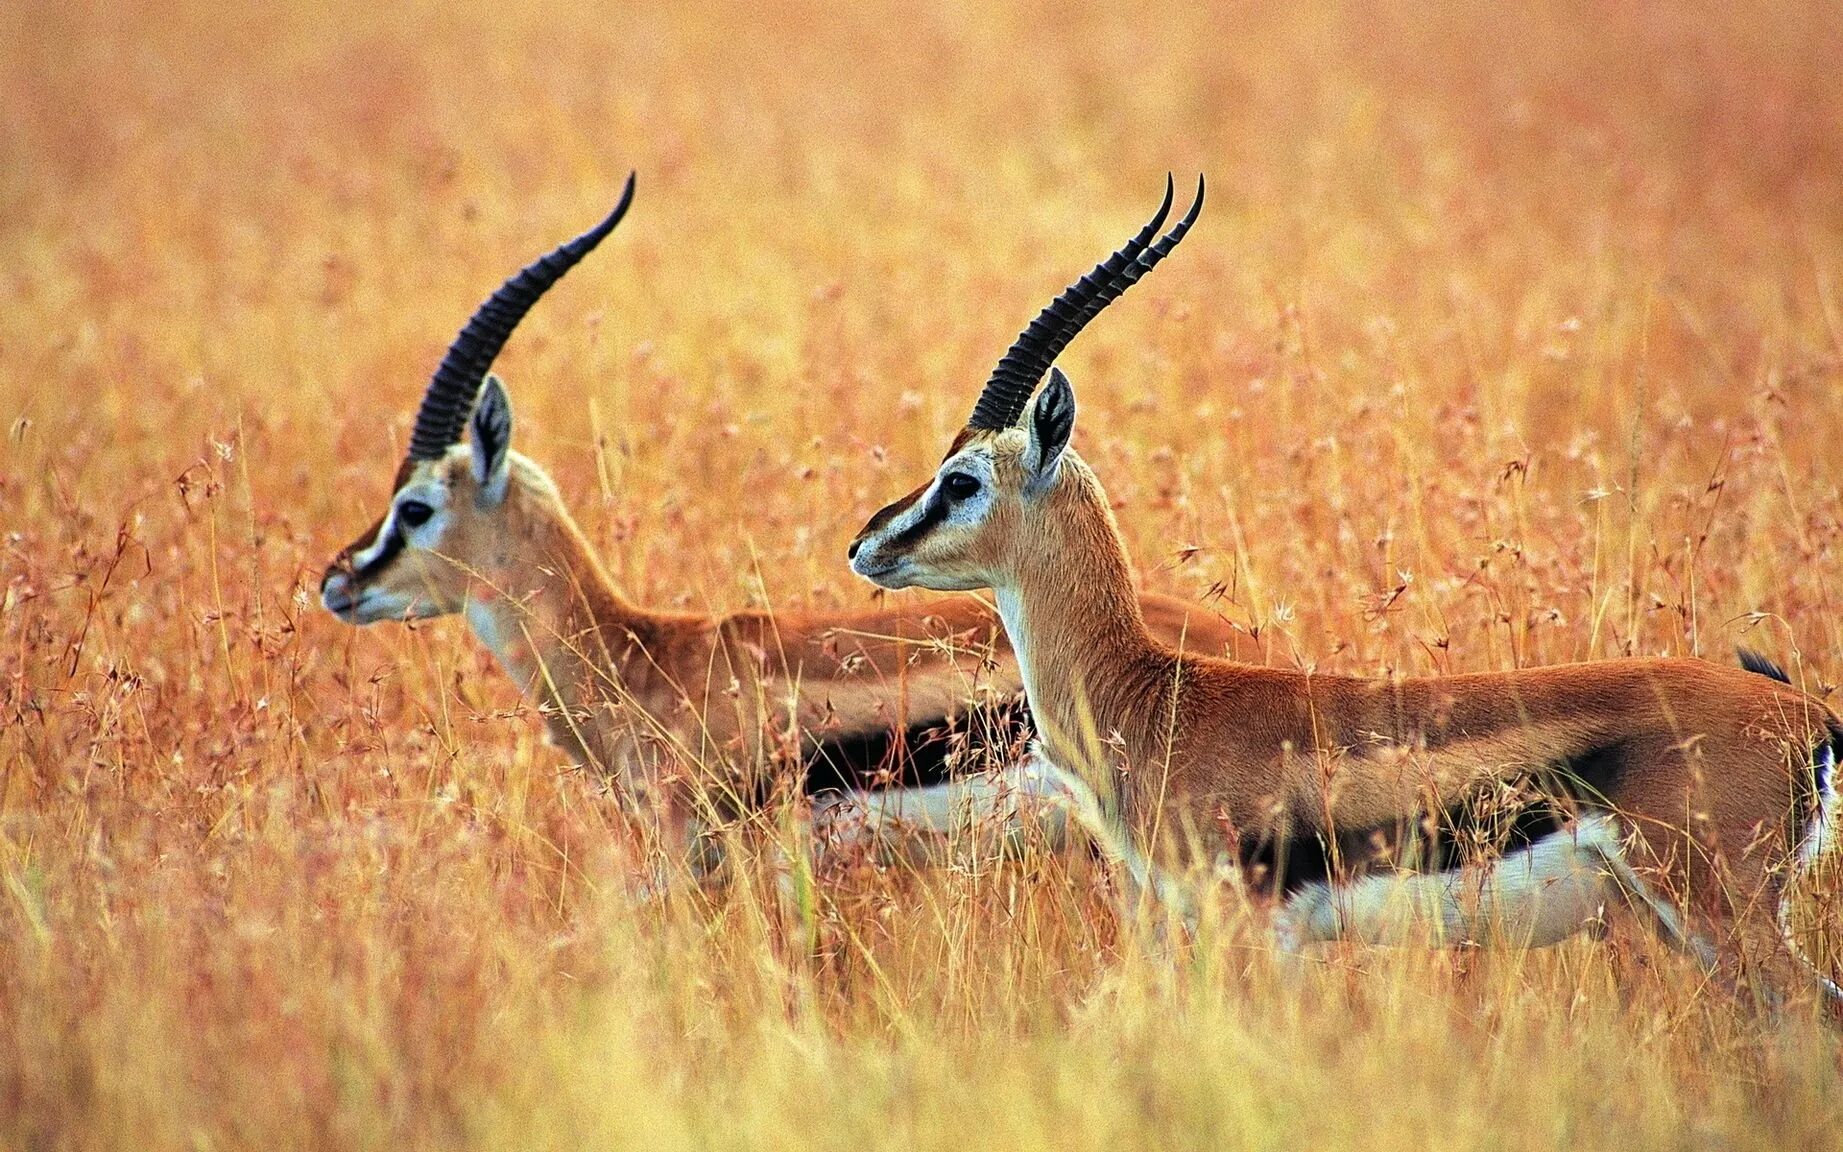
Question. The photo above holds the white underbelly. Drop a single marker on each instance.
(1530, 898)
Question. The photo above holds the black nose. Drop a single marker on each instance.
(851, 553)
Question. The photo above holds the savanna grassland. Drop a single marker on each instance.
(1508, 337)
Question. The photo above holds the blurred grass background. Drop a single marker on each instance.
(1510, 335)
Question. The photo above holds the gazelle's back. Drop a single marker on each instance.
(1353, 753)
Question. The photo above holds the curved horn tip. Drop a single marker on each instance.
(1007, 393)
(455, 388)
(614, 217)
(627, 195)
(1164, 208)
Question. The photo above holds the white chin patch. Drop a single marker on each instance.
(935, 582)
(894, 578)
(863, 564)
(374, 609)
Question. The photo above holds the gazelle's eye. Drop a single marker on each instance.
(414, 513)
(960, 486)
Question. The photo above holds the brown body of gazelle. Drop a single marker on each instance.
(1690, 792)
(700, 718)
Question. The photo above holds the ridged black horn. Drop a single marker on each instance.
(456, 384)
(1020, 370)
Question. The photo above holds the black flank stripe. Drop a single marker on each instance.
(931, 751)
(1464, 834)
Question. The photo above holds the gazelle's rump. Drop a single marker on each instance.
(1818, 840)
(1820, 832)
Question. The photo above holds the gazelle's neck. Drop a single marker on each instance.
(558, 625)
(1090, 668)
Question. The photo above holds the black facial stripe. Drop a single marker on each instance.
(393, 544)
(933, 513)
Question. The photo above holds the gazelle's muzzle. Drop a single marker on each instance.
(866, 553)
(336, 594)
(342, 584)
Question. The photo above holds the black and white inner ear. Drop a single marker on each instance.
(492, 433)
(1052, 422)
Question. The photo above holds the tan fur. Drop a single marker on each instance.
(685, 709)
(1198, 751)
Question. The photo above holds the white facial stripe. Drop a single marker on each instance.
(367, 556)
(392, 535)
(920, 509)
(912, 515)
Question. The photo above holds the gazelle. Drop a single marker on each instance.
(699, 715)
(1694, 792)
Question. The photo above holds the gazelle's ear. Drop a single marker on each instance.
(1052, 421)
(492, 431)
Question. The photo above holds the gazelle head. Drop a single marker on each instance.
(447, 523)
(978, 514)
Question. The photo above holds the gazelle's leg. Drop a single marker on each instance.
(675, 846)
(1724, 898)
(1145, 878)
(1660, 913)
(1759, 955)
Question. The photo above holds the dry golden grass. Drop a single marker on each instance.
(1508, 338)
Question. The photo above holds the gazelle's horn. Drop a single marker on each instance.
(456, 384)
(1036, 348)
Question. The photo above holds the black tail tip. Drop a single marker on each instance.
(1761, 666)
